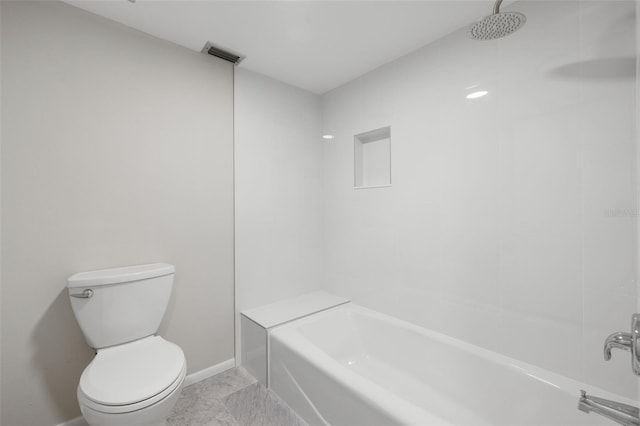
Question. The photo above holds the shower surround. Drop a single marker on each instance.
(511, 222)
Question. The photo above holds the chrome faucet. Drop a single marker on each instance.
(623, 414)
(617, 340)
(627, 342)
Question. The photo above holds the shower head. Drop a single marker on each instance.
(497, 25)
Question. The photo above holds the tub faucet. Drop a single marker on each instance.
(627, 342)
(619, 340)
(623, 414)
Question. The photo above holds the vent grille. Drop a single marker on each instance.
(216, 51)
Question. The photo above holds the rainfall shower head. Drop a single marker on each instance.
(497, 25)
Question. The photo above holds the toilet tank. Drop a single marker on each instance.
(118, 305)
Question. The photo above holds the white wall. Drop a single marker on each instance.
(278, 209)
(511, 222)
(117, 149)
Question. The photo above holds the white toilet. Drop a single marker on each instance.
(136, 377)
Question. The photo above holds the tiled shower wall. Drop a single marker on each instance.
(278, 224)
(511, 219)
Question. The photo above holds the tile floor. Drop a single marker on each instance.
(231, 398)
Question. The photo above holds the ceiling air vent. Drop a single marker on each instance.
(212, 50)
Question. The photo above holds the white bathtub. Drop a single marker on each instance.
(352, 366)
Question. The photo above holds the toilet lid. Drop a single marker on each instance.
(132, 372)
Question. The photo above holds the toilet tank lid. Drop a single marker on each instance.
(119, 275)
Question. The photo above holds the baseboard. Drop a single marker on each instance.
(192, 378)
(198, 376)
(78, 421)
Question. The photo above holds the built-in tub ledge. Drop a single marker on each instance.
(256, 324)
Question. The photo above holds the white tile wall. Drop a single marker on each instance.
(511, 222)
(278, 204)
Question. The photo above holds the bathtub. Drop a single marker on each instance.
(353, 366)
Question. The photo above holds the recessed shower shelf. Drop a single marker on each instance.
(372, 159)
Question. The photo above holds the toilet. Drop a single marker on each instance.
(136, 376)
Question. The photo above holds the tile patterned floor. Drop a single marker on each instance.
(231, 398)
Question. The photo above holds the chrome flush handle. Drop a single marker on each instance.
(627, 342)
(86, 294)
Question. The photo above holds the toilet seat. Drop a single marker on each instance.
(132, 376)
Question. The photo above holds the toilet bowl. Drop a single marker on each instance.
(135, 383)
(136, 376)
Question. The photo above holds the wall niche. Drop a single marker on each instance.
(372, 158)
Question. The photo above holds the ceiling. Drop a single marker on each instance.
(315, 45)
